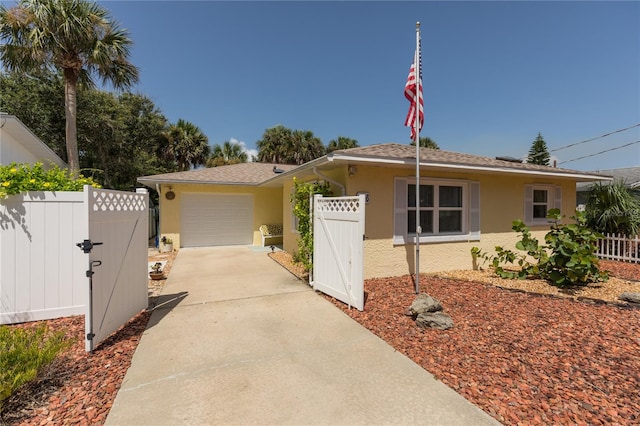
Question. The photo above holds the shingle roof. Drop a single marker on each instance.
(393, 151)
(629, 175)
(235, 174)
(259, 173)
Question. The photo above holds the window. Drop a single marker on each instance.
(538, 200)
(449, 210)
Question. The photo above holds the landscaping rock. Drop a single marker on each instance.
(424, 304)
(630, 297)
(438, 320)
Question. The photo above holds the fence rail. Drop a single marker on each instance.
(619, 247)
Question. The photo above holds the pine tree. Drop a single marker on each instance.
(538, 154)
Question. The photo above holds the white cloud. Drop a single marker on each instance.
(250, 152)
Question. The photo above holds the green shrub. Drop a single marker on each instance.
(301, 197)
(17, 178)
(23, 354)
(568, 258)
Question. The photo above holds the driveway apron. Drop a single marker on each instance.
(239, 340)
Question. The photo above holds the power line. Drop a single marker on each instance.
(581, 142)
(601, 152)
(596, 138)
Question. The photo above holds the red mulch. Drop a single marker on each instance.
(625, 270)
(524, 359)
(79, 387)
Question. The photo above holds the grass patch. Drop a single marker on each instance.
(24, 353)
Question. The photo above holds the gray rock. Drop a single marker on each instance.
(438, 320)
(423, 304)
(630, 297)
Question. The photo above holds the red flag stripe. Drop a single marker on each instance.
(411, 91)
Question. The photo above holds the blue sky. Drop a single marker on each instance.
(494, 73)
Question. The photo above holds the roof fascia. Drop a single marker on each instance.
(410, 162)
(153, 182)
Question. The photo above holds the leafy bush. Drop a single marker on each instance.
(568, 258)
(23, 354)
(17, 178)
(301, 197)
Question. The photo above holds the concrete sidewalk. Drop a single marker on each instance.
(242, 341)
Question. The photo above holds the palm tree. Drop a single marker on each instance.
(282, 145)
(426, 142)
(78, 39)
(275, 142)
(228, 153)
(612, 208)
(341, 143)
(306, 147)
(187, 145)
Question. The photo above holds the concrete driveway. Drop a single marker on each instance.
(240, 340)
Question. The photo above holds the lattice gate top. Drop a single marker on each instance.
(338, 204)
(107, 200)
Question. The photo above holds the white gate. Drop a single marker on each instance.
(119, 221)
(43, 275)
(338, 248)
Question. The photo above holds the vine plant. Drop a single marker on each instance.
(301, 198)
(568, 258)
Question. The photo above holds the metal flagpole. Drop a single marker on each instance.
(416, 61)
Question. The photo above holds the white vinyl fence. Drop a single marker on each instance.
(619, 247)
(43, 272)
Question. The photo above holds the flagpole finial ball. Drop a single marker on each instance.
(418, 24)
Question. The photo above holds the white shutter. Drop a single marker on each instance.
(528, 204)
(400, 211)
(474, 210)
(557, 201)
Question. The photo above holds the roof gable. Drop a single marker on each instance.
(20, 145)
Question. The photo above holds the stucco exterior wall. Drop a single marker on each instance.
(267, 207)
(501, 202)
(383, 259)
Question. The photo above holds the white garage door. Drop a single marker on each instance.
(216, 219)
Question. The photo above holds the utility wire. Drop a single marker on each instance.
(526, 157)
(601, 152)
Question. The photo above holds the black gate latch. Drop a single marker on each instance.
(87, 245)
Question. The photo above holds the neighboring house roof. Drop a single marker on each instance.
(629, 175)
(16, 130)
(234, 174)
(393, 154)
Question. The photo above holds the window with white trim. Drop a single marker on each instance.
(449, 210)
(538, 200)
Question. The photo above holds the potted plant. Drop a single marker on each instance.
(156, 271)
(167, 244)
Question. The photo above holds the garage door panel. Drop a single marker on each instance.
(216, 219)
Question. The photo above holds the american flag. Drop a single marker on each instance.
(413, 91)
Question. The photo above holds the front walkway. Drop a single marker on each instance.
(239, 340)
